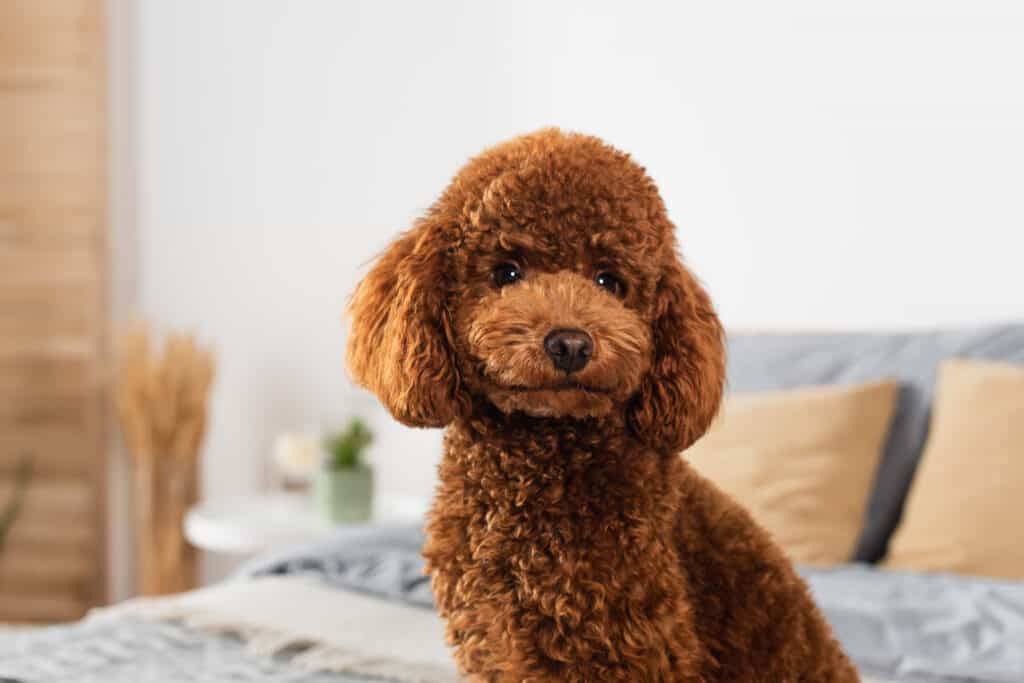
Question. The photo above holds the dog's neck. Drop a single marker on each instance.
(520, 432)
(579, 463)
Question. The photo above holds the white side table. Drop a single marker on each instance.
(252, 524)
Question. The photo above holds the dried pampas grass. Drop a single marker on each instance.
(162, 398)
(162, 402)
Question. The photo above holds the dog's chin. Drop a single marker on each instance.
(564, 401)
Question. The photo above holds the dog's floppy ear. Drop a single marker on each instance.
(400, 345)
(681, 393)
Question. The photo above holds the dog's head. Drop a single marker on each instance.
(545, 281)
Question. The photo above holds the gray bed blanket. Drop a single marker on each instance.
(899, 625)
(925, 626)
(383, 561)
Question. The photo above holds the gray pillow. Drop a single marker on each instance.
(765, 362)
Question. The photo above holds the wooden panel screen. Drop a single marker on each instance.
(52, 327)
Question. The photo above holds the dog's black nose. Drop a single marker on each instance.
(569, 350)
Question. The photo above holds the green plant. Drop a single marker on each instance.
(345, 448)
(10, 511)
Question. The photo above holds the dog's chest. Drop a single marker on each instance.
(563, 556)
(553, 521)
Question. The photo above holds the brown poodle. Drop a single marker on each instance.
(540, 312)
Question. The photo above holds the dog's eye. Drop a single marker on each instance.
(506, 274)
(611, 282)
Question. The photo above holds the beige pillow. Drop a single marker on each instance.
(965, 511)
(802, 462)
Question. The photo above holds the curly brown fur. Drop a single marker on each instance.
(568, 540)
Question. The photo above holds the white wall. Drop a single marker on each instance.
(842, 164)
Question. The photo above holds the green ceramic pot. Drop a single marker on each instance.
(344, 494)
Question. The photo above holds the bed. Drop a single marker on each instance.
(356, 607)
(374, 620)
